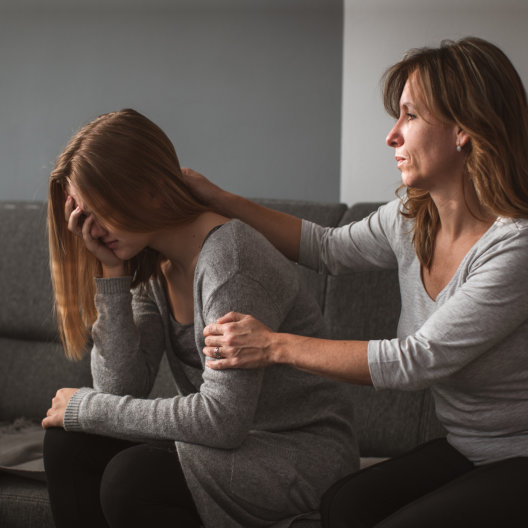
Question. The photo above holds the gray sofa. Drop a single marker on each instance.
(32, 364)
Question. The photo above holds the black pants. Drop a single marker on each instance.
(96, 481)
(433, 486)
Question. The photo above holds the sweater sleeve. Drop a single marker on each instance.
(128, 339)
(359, 246)
(220, 415)
(484, 313)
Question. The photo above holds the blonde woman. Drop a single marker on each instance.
(142, 266)
(459, 239)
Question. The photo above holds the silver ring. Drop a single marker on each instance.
(217, 353)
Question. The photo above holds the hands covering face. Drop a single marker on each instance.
(95, 236)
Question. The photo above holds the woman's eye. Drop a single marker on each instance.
(410, 116)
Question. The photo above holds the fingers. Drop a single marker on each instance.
(86, 232)
(201, 188)
(214, 329)
(68, 207)
(55, 414)
(221, 325)
(75, 219)
(221, 364)
(189, 174)
(51, 421)
(220, 352)
(231, 317)
(51, 418)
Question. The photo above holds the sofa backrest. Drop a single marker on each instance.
(32, 362)
(389, 422)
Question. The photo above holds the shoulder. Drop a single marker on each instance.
(503, 250)
(507, 233)
(386, 220)
(237, 248)
(239, 270)
(392, 217)
(238, 244)
(513, 227)
(387, 226)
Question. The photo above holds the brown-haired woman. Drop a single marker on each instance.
(459, 239)
(233, 449)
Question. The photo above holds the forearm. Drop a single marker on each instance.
(339, 360)
(113, 272)
(217, 416)
(281, 229)
(119, 363)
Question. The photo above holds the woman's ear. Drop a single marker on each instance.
(462, 139)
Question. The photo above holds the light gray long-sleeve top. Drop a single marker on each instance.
(257, 447)
(470, 345)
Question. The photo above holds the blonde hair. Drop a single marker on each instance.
(473, 84)
(128, 173)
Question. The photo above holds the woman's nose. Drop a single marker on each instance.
(97, 230)
(394, 138)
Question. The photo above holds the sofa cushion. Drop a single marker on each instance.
(21, 448)
(26, 307)
(24, 503)
(30, 374)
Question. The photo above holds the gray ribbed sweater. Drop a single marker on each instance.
(258, 447)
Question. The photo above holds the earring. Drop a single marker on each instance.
(459, 148)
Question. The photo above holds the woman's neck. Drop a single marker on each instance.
(181, 245)
(461, 214)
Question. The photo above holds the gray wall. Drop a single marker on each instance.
(376, 34)
(249, 91)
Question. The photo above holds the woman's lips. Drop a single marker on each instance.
(399, 160)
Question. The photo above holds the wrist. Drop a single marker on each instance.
(225, 204)
(113, 272)
(278, 349)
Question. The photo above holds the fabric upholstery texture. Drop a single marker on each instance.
(24, 273)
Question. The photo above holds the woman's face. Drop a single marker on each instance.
(425, 148)
(124, 244)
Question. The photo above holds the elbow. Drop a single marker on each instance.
(229, 434)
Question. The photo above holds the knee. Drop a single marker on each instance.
(57, 444)
(343, 505)
(119, 491)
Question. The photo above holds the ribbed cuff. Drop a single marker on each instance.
(71, 414)
(115, 285)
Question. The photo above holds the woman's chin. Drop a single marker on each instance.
(412, 182)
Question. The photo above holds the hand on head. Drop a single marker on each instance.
(238, 341)
(85, 227)
(201, 188)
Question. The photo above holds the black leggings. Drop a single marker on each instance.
(433, 486)
(96, 481)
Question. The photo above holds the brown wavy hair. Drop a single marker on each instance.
(473, 84)
(119, 162)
